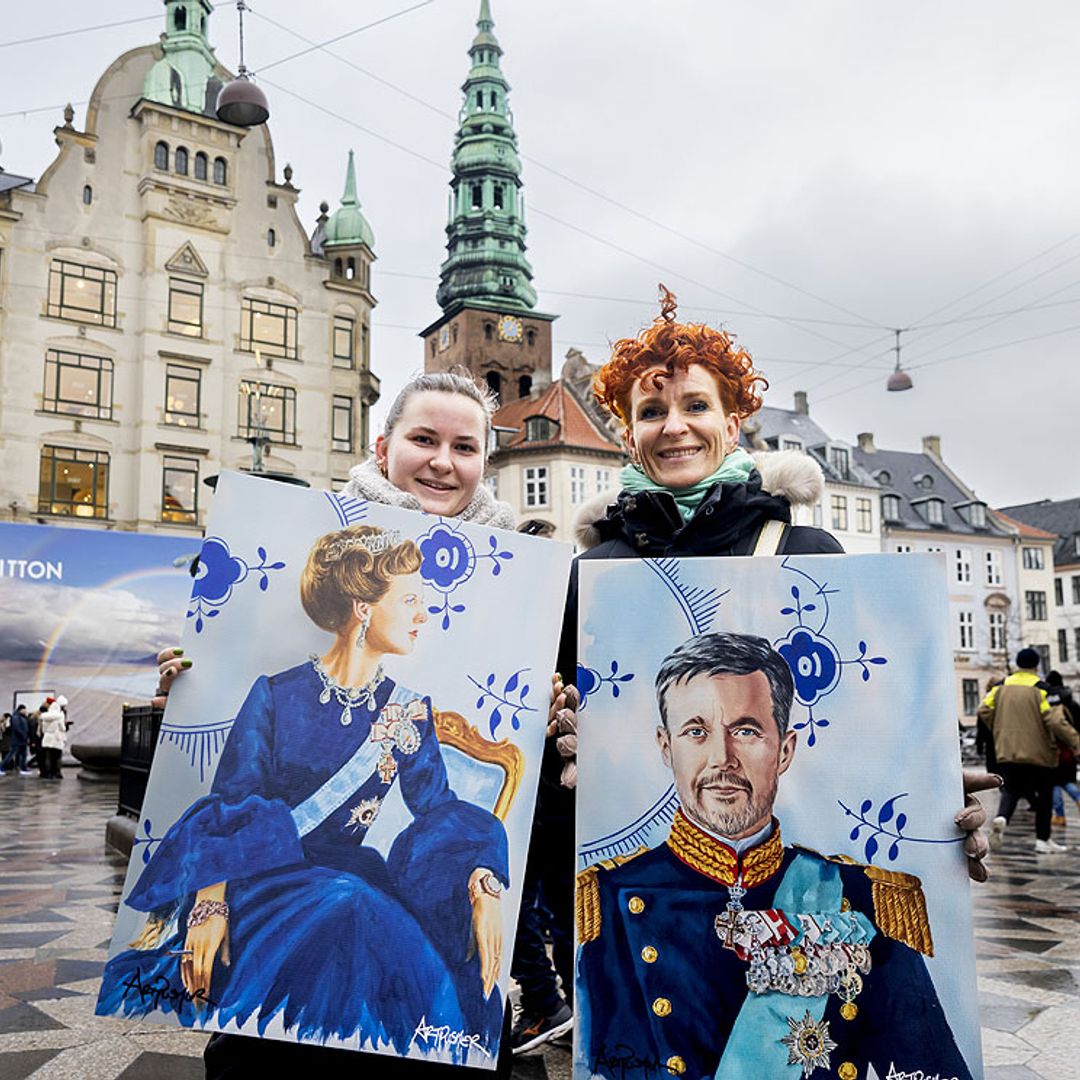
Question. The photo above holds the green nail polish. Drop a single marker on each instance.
(178, 652)
(185, 663)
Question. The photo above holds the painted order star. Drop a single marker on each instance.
(808, 1043)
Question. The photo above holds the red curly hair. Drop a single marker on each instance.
(672, 346)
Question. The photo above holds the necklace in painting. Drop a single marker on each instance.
(348, 697)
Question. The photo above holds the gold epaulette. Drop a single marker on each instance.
(587, 896)
(900, 908)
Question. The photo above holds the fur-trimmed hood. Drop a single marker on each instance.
(789, 474)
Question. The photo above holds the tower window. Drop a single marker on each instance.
(181, 161)
(477, 193)
(489, 332)
(494, 382)
(180, 19)
(350, 268)
(200, 166)
(161, 156)
(479, 99)
(530, 337)
(87, 195)
(524, 386)
(221, 171)
(337, 268)
(271, 238)
(494, 100)
(498, 196)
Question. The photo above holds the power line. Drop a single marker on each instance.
(80, 30)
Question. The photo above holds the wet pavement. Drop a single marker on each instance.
(59, 887)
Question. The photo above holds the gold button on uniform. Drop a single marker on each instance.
(849, 1010)
(847, 1071)
(636, 905)
(675, 1065)
(649, 954)
(662, 1007)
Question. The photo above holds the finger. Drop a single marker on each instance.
(185, 974)
(567, 746)
(568, 778)
(573, 698)
(973, 816)
(169, 653)
(566, 722)
(976, 845)
(975, 780)
(551, 729)
(977, 871)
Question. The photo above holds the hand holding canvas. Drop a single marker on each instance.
(487, 933)
(201, 947)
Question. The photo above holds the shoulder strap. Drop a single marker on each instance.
(769, 538)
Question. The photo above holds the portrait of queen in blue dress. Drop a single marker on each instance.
(265, 904)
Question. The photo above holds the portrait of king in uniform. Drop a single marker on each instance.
(723, 953)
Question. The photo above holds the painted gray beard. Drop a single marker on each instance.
(731, 823)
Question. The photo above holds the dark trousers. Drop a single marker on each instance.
(50, 764)
(1034, 783)
(547, 903)
(15, 758)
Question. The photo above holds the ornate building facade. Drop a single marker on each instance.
(161, 305)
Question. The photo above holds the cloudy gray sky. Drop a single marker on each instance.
(811, 175)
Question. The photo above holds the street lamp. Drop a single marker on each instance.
(241, 102)
(899, 379)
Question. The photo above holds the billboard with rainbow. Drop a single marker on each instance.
(83, 613)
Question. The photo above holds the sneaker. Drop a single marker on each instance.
(26, 772)
(531, 1031)
(1049, 847)
(997, 833)
(1058, 819)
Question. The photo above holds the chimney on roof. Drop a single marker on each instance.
(866, 442)
(802, 406)
(931, 445)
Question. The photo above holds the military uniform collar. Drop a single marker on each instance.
(717, 860)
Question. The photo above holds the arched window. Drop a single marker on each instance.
(221, 171)
(87, 195)
(337, 268)
(498, 196)
(200, 166)
(477, 193)
(180, 19)
(181, 160)
(479, 99)
(494, 382)
(489, 332)
(161, 155)
(530, 337)
(494, 100)
(524, 386)
(350, 268)
(271, 238)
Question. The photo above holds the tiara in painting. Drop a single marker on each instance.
(373, 542)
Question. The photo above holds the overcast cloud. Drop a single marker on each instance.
(888, 158)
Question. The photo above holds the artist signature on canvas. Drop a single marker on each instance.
(160, 991)
(445, 1037)
(624, 1059)
(916, 1074)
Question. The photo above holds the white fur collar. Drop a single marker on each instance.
(791, 474)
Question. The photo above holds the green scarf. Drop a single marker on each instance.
(734, 469)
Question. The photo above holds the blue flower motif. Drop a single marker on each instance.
(814, 664)
(447, 558)
(218, 571)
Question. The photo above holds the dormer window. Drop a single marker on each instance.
(840, 460)
(539, 429)
(790, 442)
(974, 513)
(924, 480)
(890, 507)
(883, 477)
(932, 510)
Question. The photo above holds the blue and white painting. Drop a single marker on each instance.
(335, 829)
(771, 882)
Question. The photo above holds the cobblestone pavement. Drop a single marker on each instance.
(59, 887)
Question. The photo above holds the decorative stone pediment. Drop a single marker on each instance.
(187, 261)
(190, 212)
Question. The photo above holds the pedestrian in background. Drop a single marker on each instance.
(53, 738)
(1057, 693)
(1027, 729)
(20, 736)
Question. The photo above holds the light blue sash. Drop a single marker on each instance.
(754, 1047)
(315, 809)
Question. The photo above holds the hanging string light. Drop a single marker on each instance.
(241, 102)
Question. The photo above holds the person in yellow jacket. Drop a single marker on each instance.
(1027, 730)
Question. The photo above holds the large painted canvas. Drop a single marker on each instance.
(84, 612)
(771, 883)
(335, 828)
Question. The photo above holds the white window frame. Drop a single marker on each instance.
(962, 566)
(536, 485)
(577, 485)
(966, 625)
(1034, 558)
(996, 622)
(993, 568)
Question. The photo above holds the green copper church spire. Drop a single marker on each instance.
(486, 262)
(184, 76)
(347, 224)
